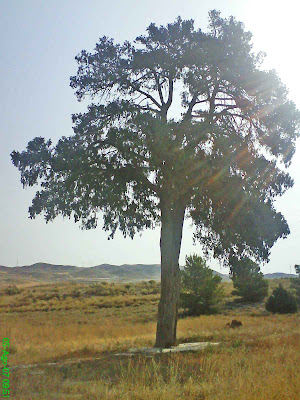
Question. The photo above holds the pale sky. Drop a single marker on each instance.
(39, 40)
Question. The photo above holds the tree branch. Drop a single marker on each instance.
(149, 97)
(165, 107)
(227, 107)
(146, 108)
(159, 88)
(170, 97)
(188, 114)
(137, 173)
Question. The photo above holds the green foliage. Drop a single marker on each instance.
(76, 293)
(200, 288)
(47, 296)
(248, 281)
(11, 290)
(281, 301)
(128, 156)
(295, 283)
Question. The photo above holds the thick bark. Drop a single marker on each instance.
(170, 242)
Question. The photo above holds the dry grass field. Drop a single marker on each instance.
(73, 332)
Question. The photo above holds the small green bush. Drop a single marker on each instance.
(154, 290)
(99, 290)
(200, 288)
(48, 296)
(11, 290)
(76, 293)
(281, 301)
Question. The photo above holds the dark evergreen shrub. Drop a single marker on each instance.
(248, 281)
(295, 284)
(281, 301)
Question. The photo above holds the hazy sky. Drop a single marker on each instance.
(39, 40)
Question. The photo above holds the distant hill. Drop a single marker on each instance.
(279, 275)
(38, 267)
(225, 277)
(50, 272)
(55, 273)
(38, 272)
(125, 271)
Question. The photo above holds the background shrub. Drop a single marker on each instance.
(11, 290)
(248, 281)
(295, 284)
(200, 288)
(281, 301)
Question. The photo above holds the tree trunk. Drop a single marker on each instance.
(170, 242)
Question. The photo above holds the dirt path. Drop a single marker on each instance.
(58, 363)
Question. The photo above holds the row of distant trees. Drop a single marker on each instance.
(201, 292)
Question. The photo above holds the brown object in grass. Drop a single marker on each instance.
(234, 324)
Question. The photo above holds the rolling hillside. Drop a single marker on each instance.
(48, 273)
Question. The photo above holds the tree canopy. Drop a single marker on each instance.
(219, 155)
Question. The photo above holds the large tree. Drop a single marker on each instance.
(181, 123)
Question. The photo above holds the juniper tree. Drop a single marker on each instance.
(142, 157)
(295, 283)
(281, 301)
(248, 280)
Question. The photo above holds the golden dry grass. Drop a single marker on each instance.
(259, 361)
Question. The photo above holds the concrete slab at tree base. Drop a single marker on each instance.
(184, 347)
